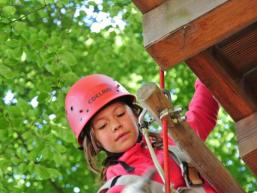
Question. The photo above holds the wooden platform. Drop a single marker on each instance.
(219, 45)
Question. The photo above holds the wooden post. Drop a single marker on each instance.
(201, 157)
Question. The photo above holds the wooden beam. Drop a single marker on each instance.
(198, 35)
(247, 140)
(147, 5)
(224, 85)
(153, 99)
(171, 15)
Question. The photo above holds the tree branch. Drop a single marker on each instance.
(24, 16)
(56, 187)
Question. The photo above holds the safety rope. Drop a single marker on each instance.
(165, 141)
(153, 155)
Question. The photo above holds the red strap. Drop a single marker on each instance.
(165, 142)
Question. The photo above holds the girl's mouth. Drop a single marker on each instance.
(122, 135)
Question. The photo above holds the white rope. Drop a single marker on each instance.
(153, 155)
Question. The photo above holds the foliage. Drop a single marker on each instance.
(46, 46)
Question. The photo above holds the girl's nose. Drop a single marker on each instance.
(115, 125)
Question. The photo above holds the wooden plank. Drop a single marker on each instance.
(147, 5)
(173, 14)
(247, 140)
(223, 83)
(200, 156)
(202, 33)
(247, 134)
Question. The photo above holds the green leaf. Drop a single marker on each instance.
(60, 4)
(57, 157)
(27, 135)
(63, 133)
(22, 153)
(53, 173)
(50, 68)
(4, 163)
(23, 167)
(4, 124)
(9, 10)
(47, 1)
(2, 188)
(47, 152)
(4, 2)
(69, 77)
(3, 36)
(33, 155)
(68, 58)
(43, 97)
(41, 172)
(6, 72)
(19, 26)
(13, 43)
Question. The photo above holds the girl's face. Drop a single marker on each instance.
(115, 127)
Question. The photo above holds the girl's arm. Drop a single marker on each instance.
(203, 110)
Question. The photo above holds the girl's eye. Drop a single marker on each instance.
(100, 125)
(120, 114)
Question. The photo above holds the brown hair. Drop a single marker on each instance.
(92, 147)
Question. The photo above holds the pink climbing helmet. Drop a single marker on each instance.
(87, 96)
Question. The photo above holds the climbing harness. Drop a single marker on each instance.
(133, 180)
(134, 183)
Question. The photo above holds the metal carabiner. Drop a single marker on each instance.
(175, 113)
(141, 120)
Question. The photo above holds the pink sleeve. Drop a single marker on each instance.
(203, 110)
(116, 189)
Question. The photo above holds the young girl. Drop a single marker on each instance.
(104, 117)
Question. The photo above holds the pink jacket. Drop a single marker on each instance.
(201, 116)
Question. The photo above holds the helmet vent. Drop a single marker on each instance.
(87, 110)
(71, 108)
(80, 111)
